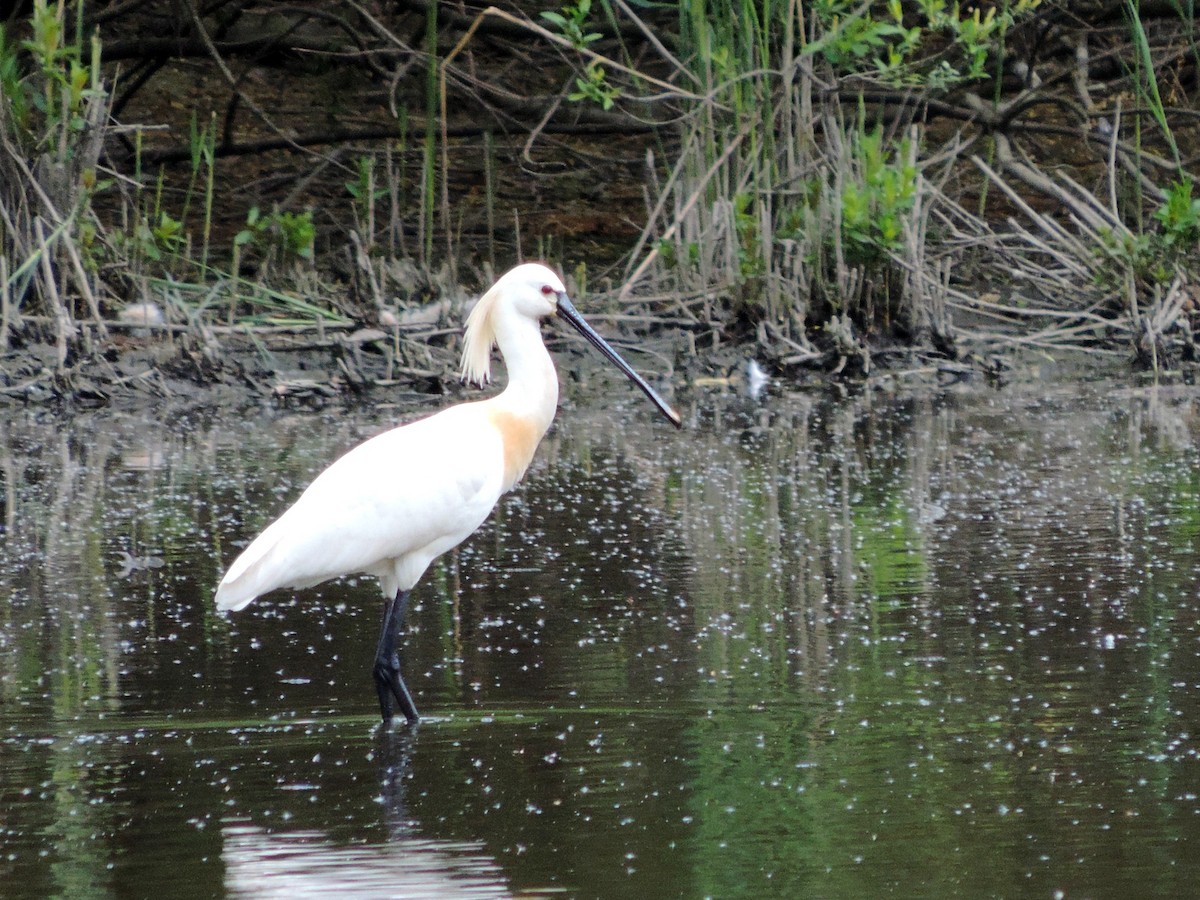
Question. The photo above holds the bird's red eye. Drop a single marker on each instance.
(546, 289)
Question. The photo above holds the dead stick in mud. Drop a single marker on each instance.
(654, 42)
(235, 82)
(536, 131)
(672, 90)
(15, 390)
(983, 306)
(64, 327)
(5, 304)
(1045, 223)
(85, 286)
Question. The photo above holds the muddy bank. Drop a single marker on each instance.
(289, 366)
(410, 348)
(313, 365)
(298, 373)
(304, 371)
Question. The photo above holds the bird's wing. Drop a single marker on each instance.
(428, 484)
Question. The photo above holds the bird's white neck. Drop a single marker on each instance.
(532, 389)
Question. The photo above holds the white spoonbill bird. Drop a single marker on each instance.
(396, 502)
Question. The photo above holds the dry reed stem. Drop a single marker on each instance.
(1046, 224)
(695, 196)
(5, 304)
(664, 194)
(64, 329)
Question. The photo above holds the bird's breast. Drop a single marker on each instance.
(519, 436)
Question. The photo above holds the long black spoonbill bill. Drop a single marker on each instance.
(396, 502)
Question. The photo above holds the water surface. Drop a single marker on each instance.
(926, 643)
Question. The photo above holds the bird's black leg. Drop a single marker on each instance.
(388, 681)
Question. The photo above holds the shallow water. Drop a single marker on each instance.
(918, 643)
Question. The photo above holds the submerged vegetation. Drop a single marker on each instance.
(834, 181)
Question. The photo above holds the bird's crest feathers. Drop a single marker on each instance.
(479, 339)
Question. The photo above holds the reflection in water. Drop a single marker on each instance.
(926, 644)
(306, 864)
(301, 863)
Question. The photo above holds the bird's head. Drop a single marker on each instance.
(533, 290)
(530, 289)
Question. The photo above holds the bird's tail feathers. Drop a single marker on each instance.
(248, 577)
(230, 599)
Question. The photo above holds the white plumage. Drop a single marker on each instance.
(394, 503)
(426, 493)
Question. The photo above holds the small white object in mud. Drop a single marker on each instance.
(142, 314)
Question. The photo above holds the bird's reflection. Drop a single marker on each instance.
(394, 759)
(308, 863)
